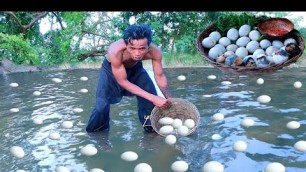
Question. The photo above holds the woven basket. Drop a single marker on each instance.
(242, 70)
(180, 109)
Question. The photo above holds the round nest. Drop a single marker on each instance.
(243, 70)
(180, 109)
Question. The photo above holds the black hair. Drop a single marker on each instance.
(137, 32)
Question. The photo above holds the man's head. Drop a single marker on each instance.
(136, 32)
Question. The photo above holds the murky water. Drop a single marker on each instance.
(269, 140)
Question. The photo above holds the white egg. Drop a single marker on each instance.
(252, 46)
(247, 122)
(189, 123)
(232, 47)
(177, 123)
(67, 124)
(293, 125)
(54, 135)
(143, 167)
(270, 50)
(89, 150)
(77, 110)
(17, 151)
(56, 80)
(14, 110)
(129, 156)
(277, 43)
(218, 117)
(275, 167)
(260, 81)
(254, 35)
(83, 78)
(20, 171)
(226, 82)
(300, 145)
(232, 34)
(83, 90)
(165, 121)
(170, 139)
(242, 41)
(207, 95)
(183, 130)
(244, 30)
(241, 52)
(181, 78)
(215, 35)
(213, 166)
(96, 170)
(14, 84)
(36, 93)
(211, 76)
(166, 129)
(208, 42)
(37, 121)
(179, 166)
(240, 146)
(225, 41)
(289, 40)
(61, 169)
(264, 99)
(216, 136)
(214, 52)
(297, 84)
(265, 43)
(259, 52)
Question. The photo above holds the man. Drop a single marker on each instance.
(122, 74)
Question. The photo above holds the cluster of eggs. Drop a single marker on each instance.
(244, 42)
(172, 126)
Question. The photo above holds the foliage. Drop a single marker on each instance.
(17, 49)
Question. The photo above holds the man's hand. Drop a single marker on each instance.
(161, 102)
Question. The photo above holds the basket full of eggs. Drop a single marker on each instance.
(261, 46)
(181, 119)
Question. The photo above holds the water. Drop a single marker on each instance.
(269, 140)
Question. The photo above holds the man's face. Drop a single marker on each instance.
(137, 48)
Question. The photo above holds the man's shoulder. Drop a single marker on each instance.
(117, 46)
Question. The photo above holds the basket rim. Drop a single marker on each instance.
(247, 70)
(173, 100)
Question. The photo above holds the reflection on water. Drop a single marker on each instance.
(269, 140)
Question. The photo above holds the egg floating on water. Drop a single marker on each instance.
(61, 169)
(14, 110)
(177, 123)
(264, 99)
(166, 129)
(37, 121)
(83, 90)
(20, 171)
(67, 124)
(218, 117)
(226, 83)
(240, 146)
(300, 145)
(54, 135)
(89, 150)
(189, 123)
(129, 156)
(275, 167)
(183, 130)
(297, 84)
(211, 76)
(83, 78)
(179, 166)
(96, 170)
(14, 84)
(143, 167)
(216, 136)
(207, 95)
(17, 151)
(165, 121)
(36, 93)
(181, 78)
(260, 81)
(213, 166)
(247, 122)
(170, 139)
(293, 125)
(77, 110)
(56, 80)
